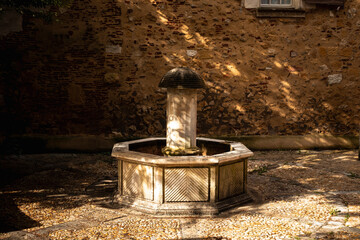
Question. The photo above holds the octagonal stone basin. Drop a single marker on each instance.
(181, 185)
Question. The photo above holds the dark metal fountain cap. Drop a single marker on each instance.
(181, 77)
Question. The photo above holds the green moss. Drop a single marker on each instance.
(167, 151)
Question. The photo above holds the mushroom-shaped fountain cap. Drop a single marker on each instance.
(181, 77)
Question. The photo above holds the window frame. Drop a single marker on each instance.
(290, 5)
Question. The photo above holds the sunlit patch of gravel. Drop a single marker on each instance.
(137, 228)
(278, 219)
(353, 203)
(305, 208)
(48, 216)
(321, 180)
(250, 226)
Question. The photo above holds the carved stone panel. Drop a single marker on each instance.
(138, 180)
(186, 184)
(231, 180)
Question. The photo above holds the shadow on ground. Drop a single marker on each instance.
(56, 181)
(69, 181)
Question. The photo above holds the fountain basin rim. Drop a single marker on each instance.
(238, 151)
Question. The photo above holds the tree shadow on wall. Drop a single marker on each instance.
(253, 87)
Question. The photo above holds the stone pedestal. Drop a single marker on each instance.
(181, 118)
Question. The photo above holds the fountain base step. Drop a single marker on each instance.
(183, 208)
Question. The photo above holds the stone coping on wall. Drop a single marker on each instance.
(94, 143)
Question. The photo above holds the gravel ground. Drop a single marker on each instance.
(297, 195)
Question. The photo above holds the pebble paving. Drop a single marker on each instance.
(297, 195)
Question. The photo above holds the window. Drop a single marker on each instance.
(280, 8)
(275, 3)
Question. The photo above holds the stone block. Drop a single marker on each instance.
(186, 184)
(251, 4)
(112, 77)
(205, 54)
(114, 49)
(332, 51)
(335, 65)
(353, 72)
(138, 180)
(231, 182)
(191, 53)
(327, 51)
(10, 21)
(76, 94)
(293, 54)
(340, 23)
(322, 52)
(346, 52)
(334, 78)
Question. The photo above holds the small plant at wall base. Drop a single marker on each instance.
(353, 175)
(334, 212)
(260, 170)
(347, 216)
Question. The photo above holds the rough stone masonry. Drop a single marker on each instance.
(95, 70)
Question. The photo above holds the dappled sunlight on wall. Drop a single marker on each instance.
(263, 76)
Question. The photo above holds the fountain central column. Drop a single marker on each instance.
(181, 118)
(181, 84)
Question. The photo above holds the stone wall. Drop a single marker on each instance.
(95, 69)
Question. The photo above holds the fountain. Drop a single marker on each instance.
(181, 174)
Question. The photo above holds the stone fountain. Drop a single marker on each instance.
(181, 174)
